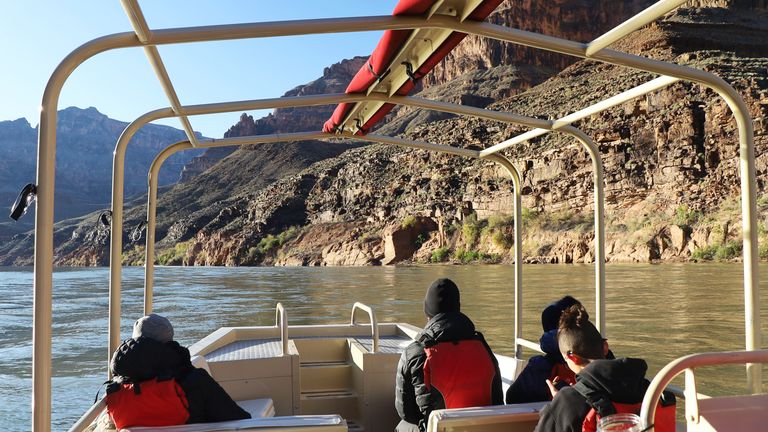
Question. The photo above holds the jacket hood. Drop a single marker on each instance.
(548, 344)
(145, 358)
(621, 380)
(446, 327)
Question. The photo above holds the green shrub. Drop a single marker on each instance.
(763, 250)
(271, 242)
(268, 243)
(502, 239)
(173, 255)
(706, 253)
(465, 256)
(729, 251)
(500, 221)
(408, 222)
(686, 216)
(718, 252)
(471, 229)
(528, 215)
(420, 239)
(288, 234)
(368, 237)
(439, 255)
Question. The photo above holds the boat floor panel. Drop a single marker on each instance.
(246, 350)
(387, 344)
(268, 348)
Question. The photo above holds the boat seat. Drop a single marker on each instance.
(499, 418)
(310, 423)
(258, 408)
(732, 413)
(199, 361)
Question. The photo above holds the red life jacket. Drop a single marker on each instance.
(462, 371)
(154, 402)
(664, 421)
(562, 373)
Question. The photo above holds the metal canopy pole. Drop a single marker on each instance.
(116, 227)
(603, 105)
(43, 270)
(645, 17)
(599, 194)
(142, 30)
(514, 173)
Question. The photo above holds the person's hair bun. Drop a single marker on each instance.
(573, 317)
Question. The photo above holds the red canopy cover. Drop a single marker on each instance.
(387, 48)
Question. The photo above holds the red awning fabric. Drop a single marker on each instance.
(379, 62)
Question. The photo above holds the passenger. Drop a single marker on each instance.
(155, 383)
(531, 384)
(449, 365)
(603, 386)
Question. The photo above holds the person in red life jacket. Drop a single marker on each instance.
(155, 383)
(531, 384)
(603, 386)
(449, 365)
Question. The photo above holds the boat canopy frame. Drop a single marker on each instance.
(132, 128)
(149, 39)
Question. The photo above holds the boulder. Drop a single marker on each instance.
(400, 241)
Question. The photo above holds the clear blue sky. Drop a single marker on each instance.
(36, 34)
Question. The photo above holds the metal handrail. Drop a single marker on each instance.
(687, 364)
(281, 322)
(90, 416)
(374, 324)
(529, 344)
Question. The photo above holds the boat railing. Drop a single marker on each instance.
(281, 322)
(688, 364)
(374, 324)
(90, 416)
(529, 344)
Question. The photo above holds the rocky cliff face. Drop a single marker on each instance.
(335, 79)
(86, 139)
(670, 160)
(670, 170)
(575, 20)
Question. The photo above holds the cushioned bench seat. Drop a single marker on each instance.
(312, 423)
(501, 418)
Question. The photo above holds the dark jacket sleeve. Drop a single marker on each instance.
(208, 402)
(530, 385)
(566, 413)
(411, 396)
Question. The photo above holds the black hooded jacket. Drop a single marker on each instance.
(413, 400)
(620, 380)
(531, 385)
(140, 359)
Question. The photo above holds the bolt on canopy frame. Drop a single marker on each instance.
(149, 39)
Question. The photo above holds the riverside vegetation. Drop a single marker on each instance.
(670, 158)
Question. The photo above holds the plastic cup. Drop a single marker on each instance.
(619, 423)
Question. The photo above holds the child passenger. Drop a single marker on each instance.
(603, 387)
(531, 384)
